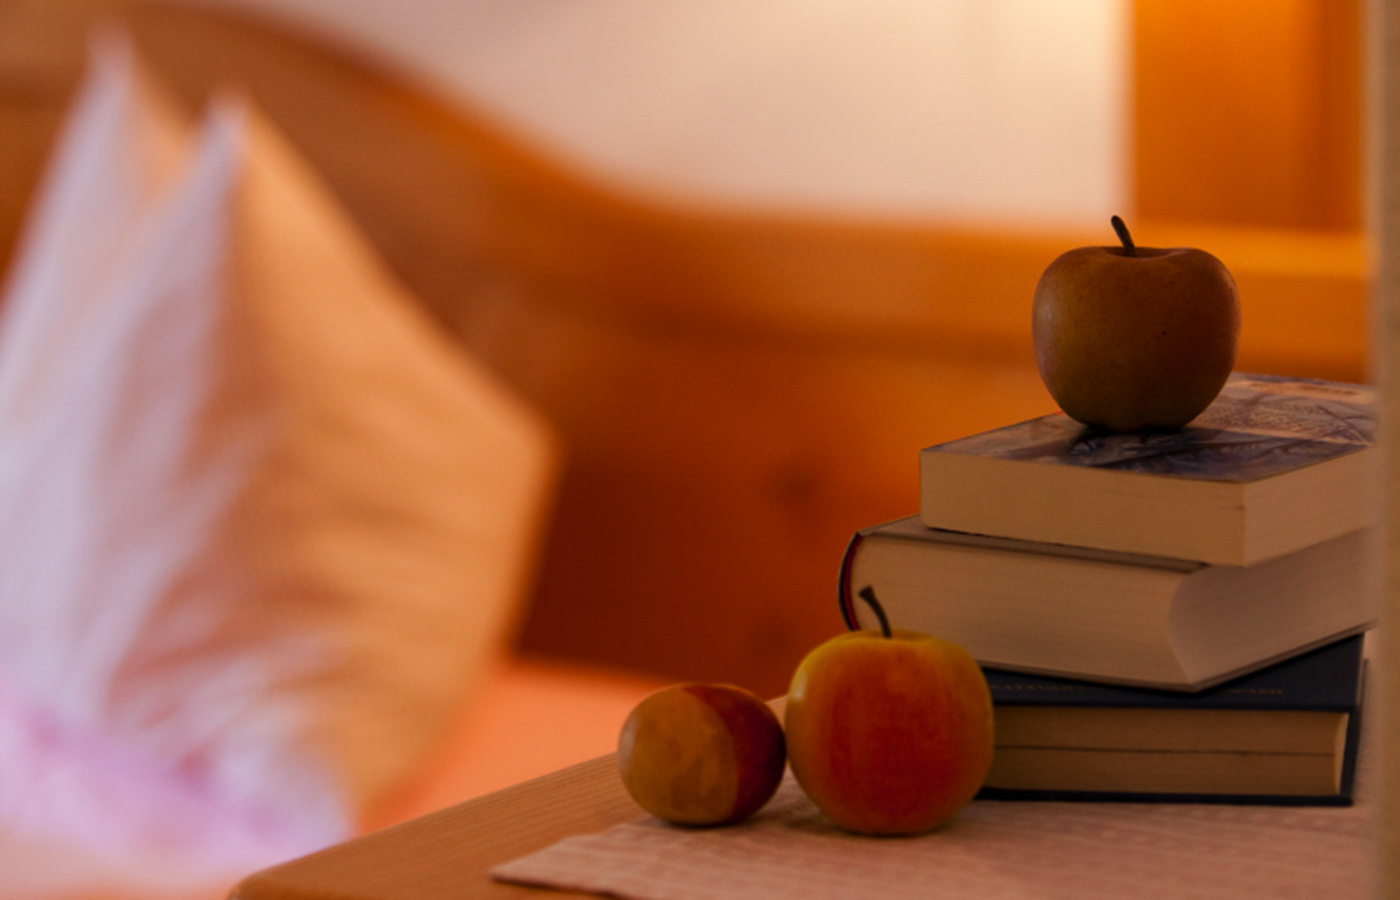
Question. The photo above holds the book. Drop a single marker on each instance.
(1048, 609)
(1288, 734)
(1275, 464)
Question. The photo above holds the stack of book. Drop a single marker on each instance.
(1162, 615)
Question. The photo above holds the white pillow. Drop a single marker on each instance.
(261, 524)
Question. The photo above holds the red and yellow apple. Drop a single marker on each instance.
(889, 732)
(1129, 338)
(701, 754)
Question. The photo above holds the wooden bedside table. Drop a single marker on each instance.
(1009, 849)
(448, 854)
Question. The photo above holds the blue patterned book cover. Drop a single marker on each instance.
(1260, 425)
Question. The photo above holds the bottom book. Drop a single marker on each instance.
(1284, 735)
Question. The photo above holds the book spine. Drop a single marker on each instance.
(1344, 798)
(845, 596)
(1353, 738)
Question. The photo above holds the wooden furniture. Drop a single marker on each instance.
(738, 393)
(994, 849)
(448, 854)
(1248, 112)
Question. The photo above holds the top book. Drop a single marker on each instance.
(1274, 465)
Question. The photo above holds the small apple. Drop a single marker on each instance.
(1129, 338)
(890, 731)
(701, 754)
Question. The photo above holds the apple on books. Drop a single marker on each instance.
(1131, 338)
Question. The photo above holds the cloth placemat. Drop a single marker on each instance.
(991, 851)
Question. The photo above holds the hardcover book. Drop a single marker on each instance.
(1287, 734)
(1109, 617)
(1275, 464)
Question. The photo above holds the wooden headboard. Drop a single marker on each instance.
(737, 393)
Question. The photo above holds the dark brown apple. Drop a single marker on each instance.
(1130, 338)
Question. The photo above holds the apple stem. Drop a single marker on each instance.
(867, 594)
(1121, 229)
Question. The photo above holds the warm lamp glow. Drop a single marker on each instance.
(964, 109)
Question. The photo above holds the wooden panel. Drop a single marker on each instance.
(737, 394)
(1249, 111)
(719, 471)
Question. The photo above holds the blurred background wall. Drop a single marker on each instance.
(979, 109)
(749, 258)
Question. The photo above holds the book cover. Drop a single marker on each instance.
(1326, 680)
(1259, 426)
(1273, 465)
(1104, 616)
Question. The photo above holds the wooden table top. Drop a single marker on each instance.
(448, 854)
(1227, 851)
